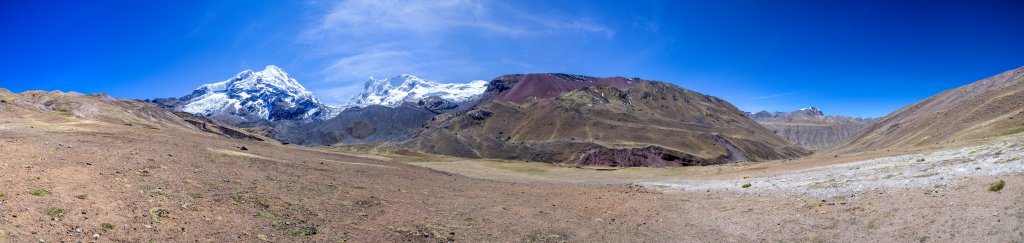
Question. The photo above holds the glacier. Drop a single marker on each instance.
(396, 90)
(270, 94)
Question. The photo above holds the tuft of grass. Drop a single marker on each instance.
(81, 196)
(107, 226)
(746, 185)
(2, 194)
(920, 160)
(266, 215)
(347, 203)
(263, 237)
(158, 214)
(39, 192)
(1012, 131)
(55, 212)
(197, 195)
(997, 186)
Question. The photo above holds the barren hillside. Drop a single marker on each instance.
(989, 107)
(601, 121)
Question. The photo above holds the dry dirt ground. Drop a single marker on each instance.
(65, 180)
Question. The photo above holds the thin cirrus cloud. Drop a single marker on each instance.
(441, 40)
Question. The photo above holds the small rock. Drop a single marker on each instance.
(243, 148)
(148, 226)
(95, 236)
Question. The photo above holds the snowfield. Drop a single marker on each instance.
(396, 90)
(269, 94)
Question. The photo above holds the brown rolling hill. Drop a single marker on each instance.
(810, 128)
(986, 108)
(600, 121)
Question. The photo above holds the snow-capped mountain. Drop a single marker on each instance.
(270, 94)
(811, 111)
(394, 91)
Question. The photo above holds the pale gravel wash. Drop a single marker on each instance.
(938, 169)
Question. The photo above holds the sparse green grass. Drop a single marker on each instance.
(347, 203)
(997, 186)
(107, 226)
(2, 194)
(920, 160)
(62, 114)
(39, 192)
(55, 212)
(197, 195)
(746, 185)
(266, 215)
(1015, 130)
(825, 184)
(1008, 160)
(263, 237)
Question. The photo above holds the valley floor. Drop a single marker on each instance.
(87, 181)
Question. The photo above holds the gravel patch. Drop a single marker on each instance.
(938, 170)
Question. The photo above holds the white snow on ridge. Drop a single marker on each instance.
(408, 88)
(271, 94)
(256, 95)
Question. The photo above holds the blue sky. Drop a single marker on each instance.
(859, 58)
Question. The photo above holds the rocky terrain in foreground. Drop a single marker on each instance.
(95, 168)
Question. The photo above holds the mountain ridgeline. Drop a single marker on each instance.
(564, 118)
(600, 121)
(810, 128)
(270, 94)
(274, 104)
(558, 118)
(986, 108)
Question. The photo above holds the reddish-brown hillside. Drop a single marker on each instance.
(600, 121)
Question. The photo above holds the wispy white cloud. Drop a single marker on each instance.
(772, 96)
(435, 39)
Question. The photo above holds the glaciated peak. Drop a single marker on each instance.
(811, 111)
(268, 94)
(395, 90)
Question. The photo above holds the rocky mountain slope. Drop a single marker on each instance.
(405, 88)
(270, 94)
(272, 103)
(600, 121)
(989, 107)
(810, 128)
(375, 123)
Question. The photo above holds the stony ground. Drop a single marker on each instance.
(938, 170)
(68, 180)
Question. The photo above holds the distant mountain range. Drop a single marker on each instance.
(600, 121)
(394, 91)
(586, 120)
(810, 128)
(270, 94)
(273, 95)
